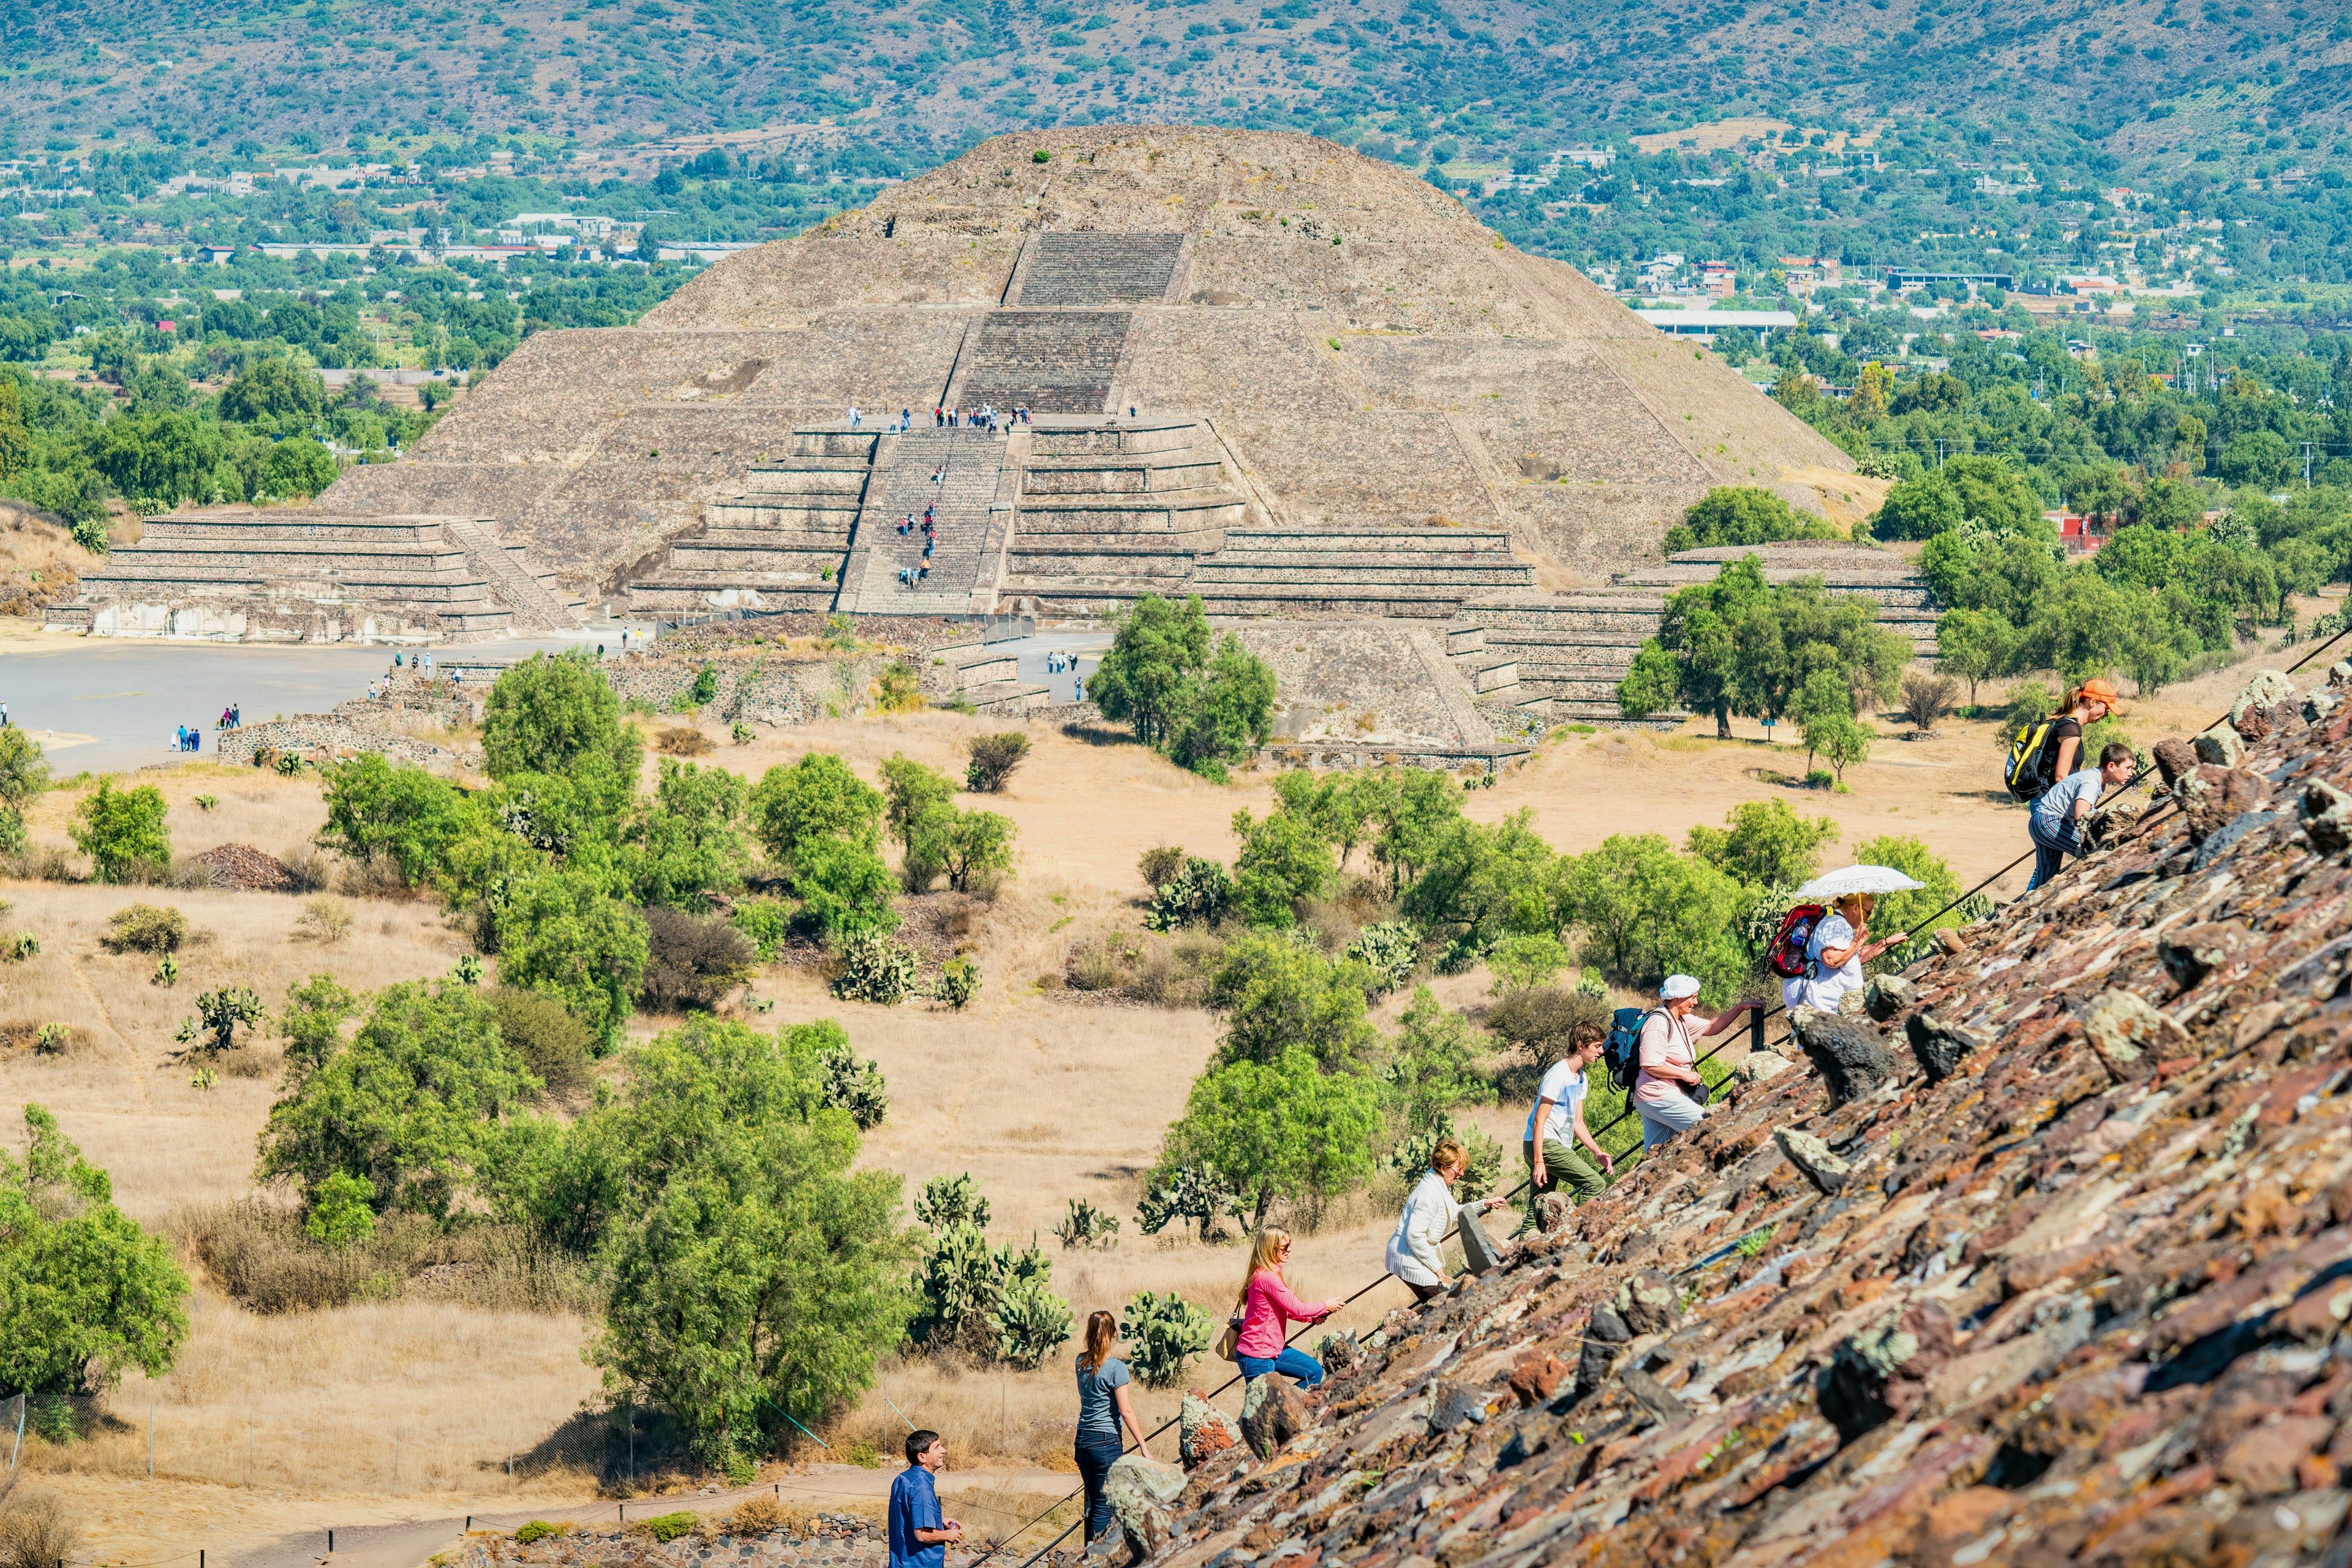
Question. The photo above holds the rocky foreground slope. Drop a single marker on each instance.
(2047, 1262)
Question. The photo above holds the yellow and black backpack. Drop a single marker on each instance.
(2024, 772)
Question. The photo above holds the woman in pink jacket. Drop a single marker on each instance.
(1264, 1308)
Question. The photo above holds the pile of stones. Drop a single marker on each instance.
(2047, 1259)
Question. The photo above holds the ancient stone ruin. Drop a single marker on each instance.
(2047, 1260)
(1299, 383)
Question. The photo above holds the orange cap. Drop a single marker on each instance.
(2101, 690)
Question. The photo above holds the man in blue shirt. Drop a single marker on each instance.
(918, 1536)
(2056, 826)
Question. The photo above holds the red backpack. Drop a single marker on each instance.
(1787, 955)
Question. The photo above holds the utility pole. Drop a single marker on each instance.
(2307, 465)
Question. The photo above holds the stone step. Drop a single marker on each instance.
(810, 565)
(770, 539)
(261, 527)
(291, 554)
(836, 441)
(1158, 510)
(955, 475)
(1127, 478)
(1314, 571)
(1370, 599)
(1056, 437)
(1067, 269)
(673, 591)
(1056, 361)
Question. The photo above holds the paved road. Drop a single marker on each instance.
(113, 705)
(1089, 646)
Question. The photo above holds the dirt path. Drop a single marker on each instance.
(835, 1487)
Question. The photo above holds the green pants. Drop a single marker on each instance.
(1563, 1166)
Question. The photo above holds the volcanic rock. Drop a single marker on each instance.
(1138, 1491)
(243, 865)
(1202, 1431)
(1940, 1045)
(1822, 1166)
(1849, 1053)
(1272, 1414)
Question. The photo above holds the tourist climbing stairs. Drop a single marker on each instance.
(955, 475)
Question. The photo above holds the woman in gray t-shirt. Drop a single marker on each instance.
(1104, 1406)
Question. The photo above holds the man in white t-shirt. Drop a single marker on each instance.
(1558, 1118)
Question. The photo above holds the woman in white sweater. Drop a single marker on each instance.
(1415, 1251)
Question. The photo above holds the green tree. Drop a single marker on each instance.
(401, 812)
(753, 1271)
(812, 802)
(157, 458)
(1843, 742)
(1282, 860)
(1764, 844)
(562, 931)
(844, 889)
(1145, 678)
(1974, 645)
(296, 469)
(1918, 509)
(687, 844)
(276, 392)
(555, 714)
(1482, 882)
(1232, 711)
(972, 847)
(312, 1022)
(1433, 1065)
(1824, 702)
(23, 777)
(122, 831)
(1279, 1129)
(1995, 494)
(1645, 912)
(1275, 994)
(85, 1293)
(1741, 515)
(16, 439)
(1695, 660)
(407, 1106)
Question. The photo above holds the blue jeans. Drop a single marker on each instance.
(1096, 1455)
(1293, 1363)
(2050, 850)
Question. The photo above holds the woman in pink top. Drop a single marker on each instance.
(1266, 1306)
(1668, 1092)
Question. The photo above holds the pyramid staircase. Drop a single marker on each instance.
(1051, 361)
(956, 474)
(311, 576)
(1080, 269)
(781, 543)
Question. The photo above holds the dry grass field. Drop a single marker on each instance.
(269, 1423)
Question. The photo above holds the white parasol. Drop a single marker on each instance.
(1858, 880)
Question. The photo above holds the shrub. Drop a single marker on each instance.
(668, 1527)
(1482, 1174)
(21, 946)
(1926, 697)
(1164, 1334)
(876, 967)
(993, 758)
(544, 1035)
(755, 1515)
(145, 927)
(1200, 894)
(679, 740)
(706, 686)
(1031, 1321)
(218, 1012)
(167, 973)
(122, 830)
(1390, 949)
(987, 1301)
(958, 982)
(35, 1529)
(692, 961)
(898, 689)
(1160, 865)
(323, 921)
(743, 734)
(1187, 1191)
(766, 921)
(541, 1530)
(1086, 1225)
(382, 815)
(950, 1201)
(1743, 514)
(1539, 1020)
(339, 1216)
(854, 1086)
(1524, 960)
